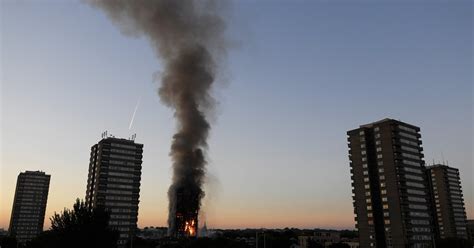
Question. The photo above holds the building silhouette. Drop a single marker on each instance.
(447, 200)
(390, 191)
(29, 205)
(114, 183)
(470, 229)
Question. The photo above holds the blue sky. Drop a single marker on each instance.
(299, 74)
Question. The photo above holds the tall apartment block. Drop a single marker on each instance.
(447, 201)
(29, 205)
(390, 191)
(114, 183)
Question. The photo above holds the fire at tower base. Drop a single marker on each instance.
(186, 215)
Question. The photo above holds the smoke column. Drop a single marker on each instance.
(187, 36)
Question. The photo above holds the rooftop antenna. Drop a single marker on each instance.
(104, 134)
(442, 157)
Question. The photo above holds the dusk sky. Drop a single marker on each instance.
(298, 76)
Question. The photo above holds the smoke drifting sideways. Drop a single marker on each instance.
(188, 36)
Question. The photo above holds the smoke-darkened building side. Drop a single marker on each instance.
(114, 183)
(447, 201)
(29, 205)
(187, 211)
(390, 191)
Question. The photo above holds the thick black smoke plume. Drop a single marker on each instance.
(188, 36)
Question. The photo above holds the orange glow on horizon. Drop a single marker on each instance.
(234, 219)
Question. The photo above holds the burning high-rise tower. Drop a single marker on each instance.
(188, 36)
(186, 213)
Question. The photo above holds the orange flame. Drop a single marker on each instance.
(189, 228)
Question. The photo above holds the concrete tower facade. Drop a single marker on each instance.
(29, 205)
(390, 191)
(114, 183)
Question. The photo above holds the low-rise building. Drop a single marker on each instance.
(153, 233)
(3, 233)
(325, 238)
(352, 243)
